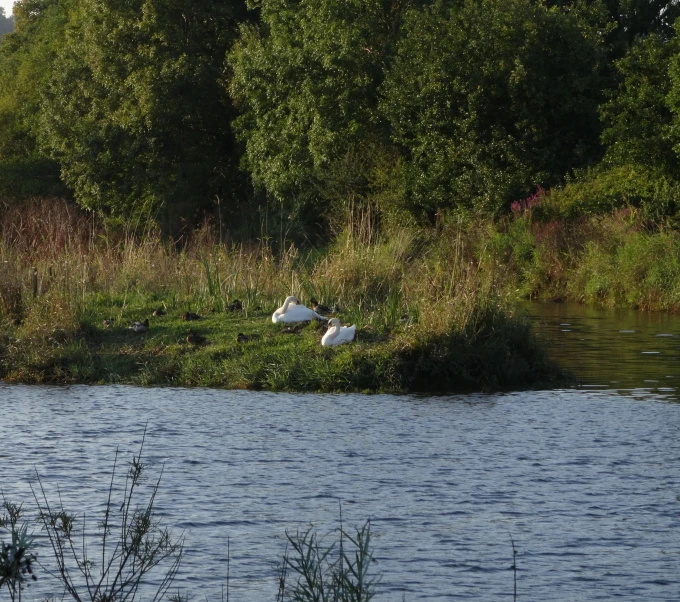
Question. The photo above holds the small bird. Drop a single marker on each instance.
(140, 326)
(196, 339)
(320, 308)
(235, 305)
(244, 338)
(159, 312)
(107, 323)
(187, 316)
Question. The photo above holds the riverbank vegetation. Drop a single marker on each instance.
(421, 163)
(430, 316)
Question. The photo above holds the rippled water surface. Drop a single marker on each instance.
(586, 482)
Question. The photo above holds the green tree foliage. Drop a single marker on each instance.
(307, 82)
(637, 115)
(26, 59)
(641, 167)
(136, 112)
(489, 100)
(625, 20)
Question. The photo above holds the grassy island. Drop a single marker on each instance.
(430, 316)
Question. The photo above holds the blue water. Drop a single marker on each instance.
(586, 483)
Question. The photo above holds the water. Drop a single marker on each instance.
(586, 481)
(616, 349)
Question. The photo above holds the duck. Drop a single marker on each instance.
(320, 308)
(235, 305)
(187, 316)
(140, 326)
(337, 334)
(196, 339)
(292, 311)
(108, 322)
(159, 312)
(244, 338)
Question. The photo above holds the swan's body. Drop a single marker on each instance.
(337, 335)
(291, 311)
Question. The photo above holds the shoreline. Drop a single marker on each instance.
(501, 354)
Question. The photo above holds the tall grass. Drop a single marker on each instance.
(616, 259)
(396, 277)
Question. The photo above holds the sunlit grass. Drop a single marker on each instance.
(429, 311)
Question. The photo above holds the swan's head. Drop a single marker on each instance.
(334, 322)
(291, 299)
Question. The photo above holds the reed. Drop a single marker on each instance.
(128, 544)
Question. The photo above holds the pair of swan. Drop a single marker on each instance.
(292, 311)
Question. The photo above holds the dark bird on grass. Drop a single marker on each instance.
(187, 316)
(294, 329)
(235, 305)
(320, 308)
(244, 338)
(140, 326)
(17, 322)
(107, 323)
(196, 339)
(159, 312)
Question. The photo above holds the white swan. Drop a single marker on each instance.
(337, 335)
(291, 311)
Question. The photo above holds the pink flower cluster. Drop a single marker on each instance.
(519, 207)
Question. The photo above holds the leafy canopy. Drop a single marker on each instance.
(490, 99)
(136, 112)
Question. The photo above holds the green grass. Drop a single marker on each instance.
(497, 352)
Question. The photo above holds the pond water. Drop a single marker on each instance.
(585, 481)
(617, 349)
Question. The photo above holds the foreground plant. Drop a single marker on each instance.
(328, 574)
(130, 544)
(16, 557)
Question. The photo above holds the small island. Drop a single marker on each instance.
(142, 312)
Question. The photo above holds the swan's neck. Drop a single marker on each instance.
(284, 309)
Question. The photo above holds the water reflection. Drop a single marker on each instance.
(617, 349)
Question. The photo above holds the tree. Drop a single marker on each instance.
(638, 117)
(6, 23)
(136, 112)
(489, 100)
(306, 82)
(26, 58)
(625, 20)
